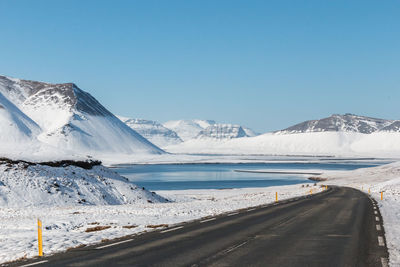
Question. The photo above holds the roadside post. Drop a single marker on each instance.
(40, 239)
(276, 196)
(381, 195)
(369, 191)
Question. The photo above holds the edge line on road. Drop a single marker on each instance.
(34, 263)
(114, 244)
(384, 262)
(208, 220)
(380, 241)
(172, 229)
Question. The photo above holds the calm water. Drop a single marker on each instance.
(219, 176)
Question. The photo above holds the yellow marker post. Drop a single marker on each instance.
(369, 191)
(40, 239)
(326, 187)
(276, 196)
(310, 191)
(381, 195)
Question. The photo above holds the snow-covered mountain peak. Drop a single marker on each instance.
(66, 96)
(340, 123)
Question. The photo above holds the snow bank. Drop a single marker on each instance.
(384, 179)
(32, 185)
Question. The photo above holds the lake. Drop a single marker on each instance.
(221, 176)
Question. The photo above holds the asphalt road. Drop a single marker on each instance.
(335, 228)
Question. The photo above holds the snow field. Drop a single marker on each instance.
(65, 227)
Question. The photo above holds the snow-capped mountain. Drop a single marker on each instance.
(153, 131)
(188, 129)
(341, 123)
(222, 131)
(71, 119)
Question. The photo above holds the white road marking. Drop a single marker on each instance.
(251, 209)
(384, 262)
(380, 241)
(375, 212)
(208, 220)
(378, 227)
(173, 229)
(35, 263)
(377, 219)
(233, 214)
(114, 244)
(235, 247)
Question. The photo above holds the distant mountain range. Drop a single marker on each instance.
(176, 132)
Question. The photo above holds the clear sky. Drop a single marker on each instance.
(263, 64)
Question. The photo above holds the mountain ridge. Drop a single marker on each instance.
(337, 123)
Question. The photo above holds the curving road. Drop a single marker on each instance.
(334, 228)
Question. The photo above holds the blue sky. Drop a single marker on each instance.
(262, 64)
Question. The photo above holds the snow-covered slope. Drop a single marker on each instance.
(249, 132)
(25, 184)
(326, 143)
(153, 131)
(72, 119)
(15, 126)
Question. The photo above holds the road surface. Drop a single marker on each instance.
(335, 228)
